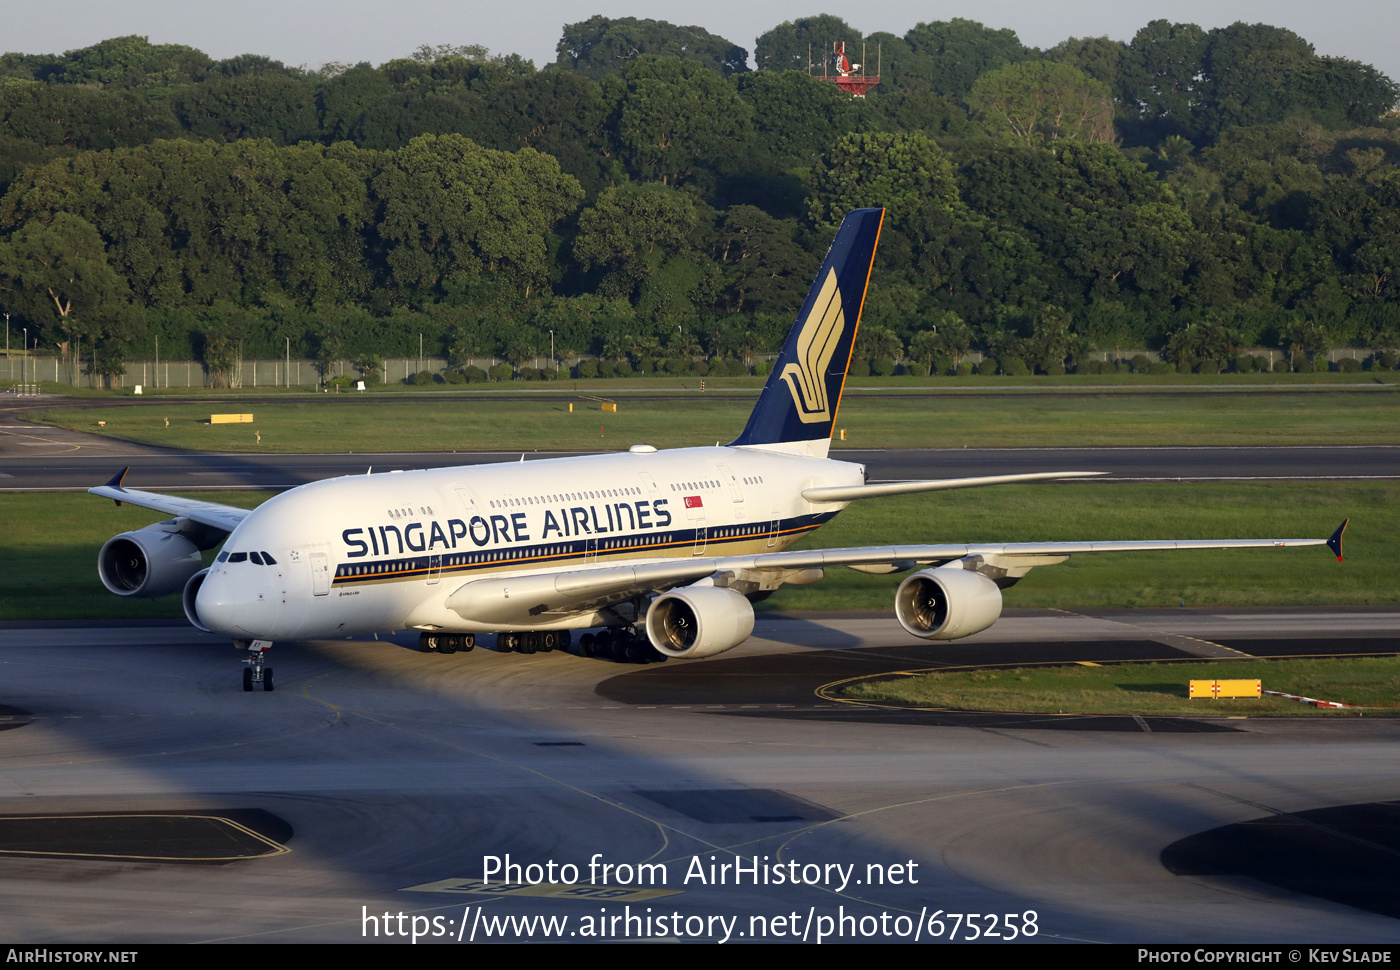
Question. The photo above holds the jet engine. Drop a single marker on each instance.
(947, 603)
(188, 598)
(698, 621)
(152, 561)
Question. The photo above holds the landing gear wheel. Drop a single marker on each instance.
(506, 642)
(469, 642)
(587, 645)
(255, 672)
(549, 641)
(603, 645)
(428, 642)
(529, 642)
(447, 644)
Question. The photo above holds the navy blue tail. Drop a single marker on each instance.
(800, 400)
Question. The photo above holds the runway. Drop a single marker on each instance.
(375, 780)
(75, 462)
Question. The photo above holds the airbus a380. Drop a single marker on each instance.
(663, 549)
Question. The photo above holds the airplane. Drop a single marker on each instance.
(666, 551)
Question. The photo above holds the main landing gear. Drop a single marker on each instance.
(446, 642)
(256, 672)
(622, 644)
(539, 641)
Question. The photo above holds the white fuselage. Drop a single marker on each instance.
(371, 553)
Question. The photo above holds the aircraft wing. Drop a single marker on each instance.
(212, 514)
(503, 599)
(849, 493)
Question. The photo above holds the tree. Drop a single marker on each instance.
(630, 231)
(948, 337)
(1160, 77)
(251, 106)
(73, 117)
(673, 115)
(793, 43)
(131, 61)
(903, 173)
(947, 57)
(453, 212)
(1042, 103)
(57, 276)
(1101, 58)
(796, 118)
(601, 46)
(557, 113)
(189, 223)
(765, 270)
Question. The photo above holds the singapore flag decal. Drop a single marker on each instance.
(693, 502)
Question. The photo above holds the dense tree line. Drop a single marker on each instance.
(649, 199)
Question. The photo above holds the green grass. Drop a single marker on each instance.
(50, 543)
(49, 550)
(1169, 510)
(1159, 688)
(872, 420)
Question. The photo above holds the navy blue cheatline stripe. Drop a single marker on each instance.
(401, 568)
(803, 393)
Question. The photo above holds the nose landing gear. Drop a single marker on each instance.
(256, 672)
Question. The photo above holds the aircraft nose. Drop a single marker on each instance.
(225, 605)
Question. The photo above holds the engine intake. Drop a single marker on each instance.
(189, 597)
(699, 621)
(947, 603)
(152, 561)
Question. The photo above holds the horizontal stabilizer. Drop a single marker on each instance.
(849, 493)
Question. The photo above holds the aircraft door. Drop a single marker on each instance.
(774, 526)
(695, 515)
(434, 568)
(320, 573)
(736, 494)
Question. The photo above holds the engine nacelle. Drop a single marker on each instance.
(152, 561)
(947, 603)
(188, 598)
(699, 621)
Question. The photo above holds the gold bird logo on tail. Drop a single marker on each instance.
(816, 344)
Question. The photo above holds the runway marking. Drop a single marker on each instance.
(41, 440)
(1087, 663)
(807, 830)
(1166, 639)
(662, 828)
(1146, 728)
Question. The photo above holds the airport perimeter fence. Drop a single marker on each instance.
(303, 373)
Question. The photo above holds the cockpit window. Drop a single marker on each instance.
(256, 557)
(221, 557)
(267, 558)
(237, 557)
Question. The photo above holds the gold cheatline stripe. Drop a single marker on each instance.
(511, 564)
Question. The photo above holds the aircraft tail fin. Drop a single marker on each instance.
(797, 409)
